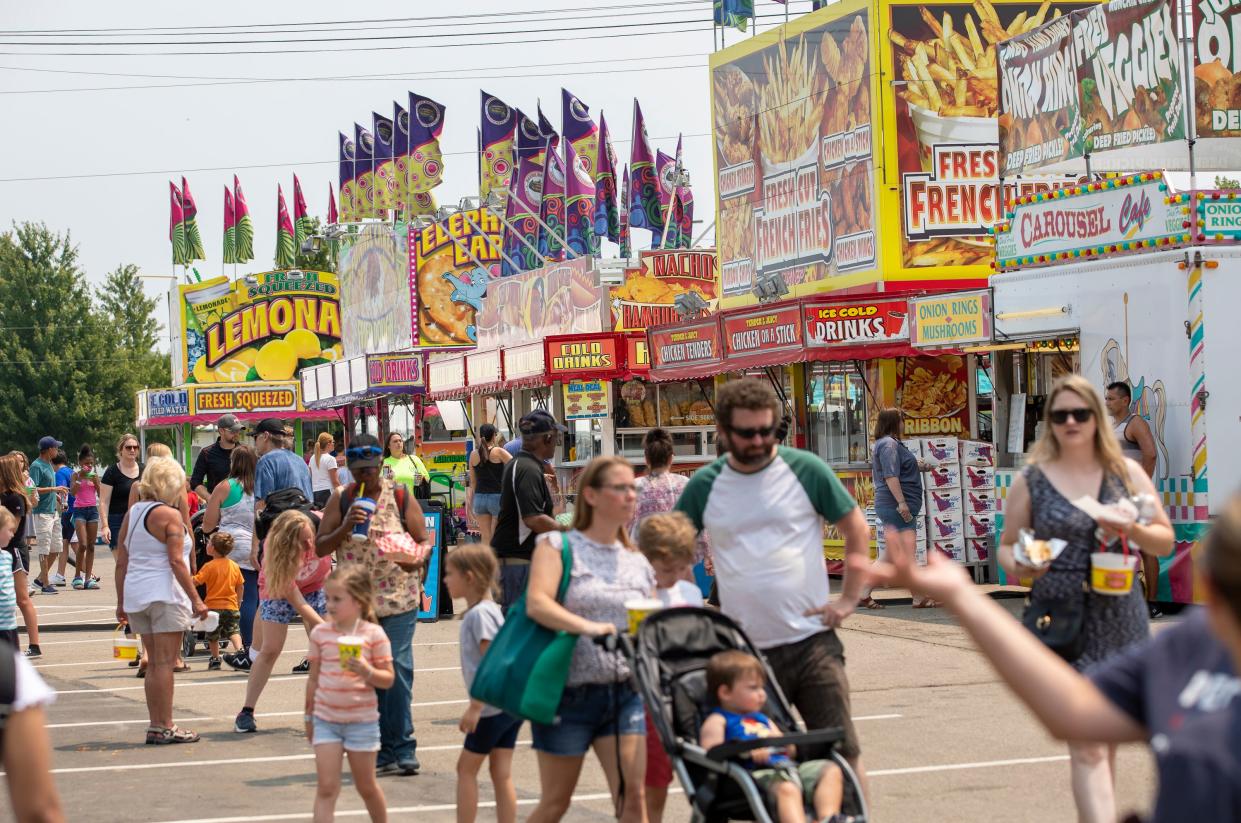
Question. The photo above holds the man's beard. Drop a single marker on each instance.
(751, 455)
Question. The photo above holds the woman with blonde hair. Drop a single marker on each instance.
(114, 486)
(323, 469)
(154, 590)
(599, 708)
(1078, 457)
(13, 497)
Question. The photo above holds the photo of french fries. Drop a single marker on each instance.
(788, 108)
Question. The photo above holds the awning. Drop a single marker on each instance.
(688, 350)
(211, 418)
(599, 356)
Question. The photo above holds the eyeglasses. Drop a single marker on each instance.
(1061, 416)
(130, 448)
(621, 488)
(749, 434)
(362, 452)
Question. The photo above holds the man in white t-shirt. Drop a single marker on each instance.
(764, 507)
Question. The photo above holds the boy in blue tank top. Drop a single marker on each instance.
(736, 682)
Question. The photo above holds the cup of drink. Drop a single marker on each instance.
(639, 609)
(350, 646)
(207, 624)
(361, 530)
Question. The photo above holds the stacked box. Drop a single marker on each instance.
(944, 501)
(943, 477)
(980, 502)
(979, 526)
(977, 551)
(950, 548)
(941, 450)
(976, 453)
(978, 478)
(945, 527)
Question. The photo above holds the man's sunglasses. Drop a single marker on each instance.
(362, 452)
(1061, 416)
(749, 434)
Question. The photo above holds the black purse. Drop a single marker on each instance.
(1058, 622)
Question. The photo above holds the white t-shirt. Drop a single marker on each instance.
(30, 688)
(320, 480)
(682, 593)
(766, 532)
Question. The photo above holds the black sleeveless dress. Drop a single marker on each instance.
(1112, 623)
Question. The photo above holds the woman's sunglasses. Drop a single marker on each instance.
(1061, 416)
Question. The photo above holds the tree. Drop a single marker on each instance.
(131, 316)
(1222, 182)
(320, 260)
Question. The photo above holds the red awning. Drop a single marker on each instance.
(210, 419)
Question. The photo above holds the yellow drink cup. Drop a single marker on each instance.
(1112, 574)
(350, 646)
(124, 648)
(638, 611)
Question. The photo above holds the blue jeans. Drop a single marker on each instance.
(249, 604)
(396, 722)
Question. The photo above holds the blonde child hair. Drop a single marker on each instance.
(283, 551)
(667, 537)
(7, 520)
(223, 543)
(358, 586)
(479, 560)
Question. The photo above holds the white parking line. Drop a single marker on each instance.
(106, 660)
(225, 681)
(298, 713)
(954, 767)
(109, 640)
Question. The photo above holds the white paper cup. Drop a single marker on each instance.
(208, 623)
(1112, 573)
(639, 610)
(125, 648)
(350, 646)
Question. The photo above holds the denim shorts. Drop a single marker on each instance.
(88, 514)
(487, 504)
(282, 611)
(587, 713)
(356, 737)
(496, 732)
(889, 516)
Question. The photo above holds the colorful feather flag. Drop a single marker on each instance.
(733, 13)
(302, 224)
(530, 139)
(193, 240)
(425, 169)
(245, 226)
(679, 211)
(497, 137)
(345, 179)
(363, 173)
(580, 130)
(645, 210)
(385, 165)
(230, 228)
(176, 226)
(607, 221)
(286, 251)
(524, 202)
(400, 153)
(551, 206)
(579, 206)
(626, 244)
(332, 217)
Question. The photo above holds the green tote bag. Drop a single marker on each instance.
(526, 666)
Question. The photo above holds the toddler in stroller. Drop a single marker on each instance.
(723, 775)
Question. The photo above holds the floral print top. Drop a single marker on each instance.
(396, 590)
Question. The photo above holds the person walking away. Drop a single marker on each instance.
(391, 546)
(736, 684)
(25, 747)
(323, 469)
(213, 463)
(599, 707)
(486, 471)
(115, 486)
(46, 521)
(660, 488)
(897, 476)
(526, 503)
(278, 468)
(470, 573)
(350, 659)
(290, 584)
(154, 591)
(224, 584)
(764, 507)
(85, 491)
(14, 500)
(668, 542)
(1137, 443)
(64, 477)
(230, 510)
(1076, 457)
(406, 468)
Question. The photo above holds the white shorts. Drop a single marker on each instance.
(46, 534)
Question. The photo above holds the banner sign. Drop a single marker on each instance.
(169, 403)
(429, 604)
(375, 291)
(766, 331)
(847, 324)
(262, 327)
(648, 295)
(951, 320)
(1109, 217)
(793, 128)
(397, 372)
(587, 399)
(524, 361)
(561, 298)
(270, 397)
(1041, 120)
(1217, 68)
(446, 375)
(1220, 214)
(933, 392)
(482, 368)
(637, 353)
(582, 356)
(447, 286)
(692, 344)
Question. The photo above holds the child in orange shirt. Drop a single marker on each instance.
(224, 583)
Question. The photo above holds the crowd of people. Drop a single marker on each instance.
(350, 565)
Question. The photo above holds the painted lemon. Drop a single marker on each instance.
(201, 373)
(232, 370)
(277, 360)
(247, 356)
(305, 343)
(329, 354)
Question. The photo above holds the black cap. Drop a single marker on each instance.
(539, 421)
(49, 442)
(271, 425)
(230, 423)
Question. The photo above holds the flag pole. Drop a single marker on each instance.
(465, 250)
(490, 240)
(496, 214)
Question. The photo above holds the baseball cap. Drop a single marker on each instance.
(49, 442)
(539, 421)
(364, 452)
(230, 422)
(271, 425)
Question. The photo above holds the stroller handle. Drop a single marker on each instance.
(727, 751)
(615, 643)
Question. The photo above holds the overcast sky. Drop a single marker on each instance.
(115, 148)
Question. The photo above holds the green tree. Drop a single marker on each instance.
(1222, 182)
(321, 260)
(131, 316)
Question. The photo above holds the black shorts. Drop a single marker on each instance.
(20, 559)
(496, 732)
(66, 525)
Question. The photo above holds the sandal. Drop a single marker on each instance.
(142, 672)
(927, 604)
(870, 603)
(162, 737)
(182, 669)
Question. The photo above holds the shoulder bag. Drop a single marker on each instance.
(1058, 622)
(526, 666)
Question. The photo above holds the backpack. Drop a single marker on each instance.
(279, 502)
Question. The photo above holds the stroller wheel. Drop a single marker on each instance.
(187, 644)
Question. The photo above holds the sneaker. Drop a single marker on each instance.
(162, 737)
(239, 662)
(303, 667)
(384, 769)
(33, 590)
(1155, 612)
(409, 766)
(32, 652)
(77, 583)
(49, 590)
(213, 665)
(58, 580)
(244, 724)
(92, 584)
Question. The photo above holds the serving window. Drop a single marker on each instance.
(836, 406)
(646, 405)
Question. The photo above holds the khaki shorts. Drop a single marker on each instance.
(160, 618)
(806, 775)
(46, 534)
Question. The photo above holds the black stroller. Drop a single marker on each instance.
(191, 639)
(669, 657)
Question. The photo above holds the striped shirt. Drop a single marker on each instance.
(8, 594)
(342, 696)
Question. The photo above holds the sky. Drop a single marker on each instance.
(92, 140)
